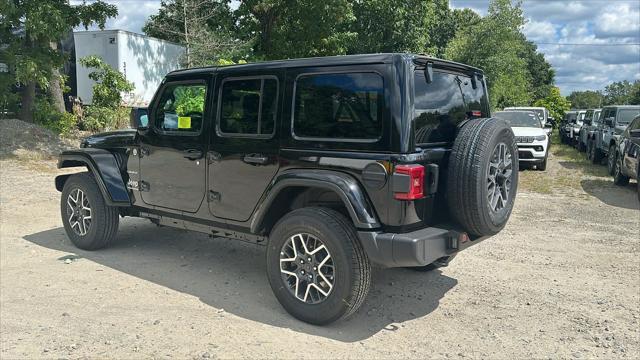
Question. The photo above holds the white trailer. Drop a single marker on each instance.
(143, 60)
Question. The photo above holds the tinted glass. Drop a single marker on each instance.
(626, 115)
(181, 108)
(519, 118)
(596, 116)
(339, 106)
(248, 106)
(441, 105)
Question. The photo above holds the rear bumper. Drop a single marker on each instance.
(416, 248)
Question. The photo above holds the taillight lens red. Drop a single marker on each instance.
(416, 182)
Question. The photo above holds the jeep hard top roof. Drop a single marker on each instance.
(329, 61)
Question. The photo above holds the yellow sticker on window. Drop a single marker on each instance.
(184, 122)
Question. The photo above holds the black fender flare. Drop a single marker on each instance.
(104, 167)
(344, 185)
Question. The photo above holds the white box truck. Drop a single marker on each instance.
(143, 60)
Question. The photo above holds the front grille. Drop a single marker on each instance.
(525, 155)
(524, 139)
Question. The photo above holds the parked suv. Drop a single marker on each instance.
(542, 112)
(589, 124)
(531, 136)
(565, 126)
(572, 127)
(334, 164)
(614, 120)
(627, 163)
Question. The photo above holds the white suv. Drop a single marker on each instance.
(531, 137)
(543, 113)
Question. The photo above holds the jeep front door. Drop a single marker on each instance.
(172, 149)
(244, 148)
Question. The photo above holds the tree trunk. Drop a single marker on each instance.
(28, 96)
(55, 85)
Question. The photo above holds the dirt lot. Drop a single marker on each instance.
(562, 280)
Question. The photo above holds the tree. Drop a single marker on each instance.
(281, 29)
(541, 72)
(555, 103)
(588, 99)
(110, 83)
(31, 30)
(494, 45)
(203, 27)
(619, 93)
(390, 26)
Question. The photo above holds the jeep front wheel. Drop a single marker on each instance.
(88, 221)
(316, 266)
(611, 159)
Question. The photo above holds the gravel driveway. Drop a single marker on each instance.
(562, 280)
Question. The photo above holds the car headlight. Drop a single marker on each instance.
(541, 137)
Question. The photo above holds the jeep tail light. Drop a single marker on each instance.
(411, 181)
(476, 113)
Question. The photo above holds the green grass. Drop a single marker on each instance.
(565, 172)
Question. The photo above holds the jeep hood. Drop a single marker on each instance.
(110, 139)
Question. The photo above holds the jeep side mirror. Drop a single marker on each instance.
(138, 118)
(608, 121)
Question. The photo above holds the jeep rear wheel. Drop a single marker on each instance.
(316, 266)
(618, 177)
(482, 179)
(611, 159)
(89, 223)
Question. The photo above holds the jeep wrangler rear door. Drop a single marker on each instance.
(172, 149)
(243, 154)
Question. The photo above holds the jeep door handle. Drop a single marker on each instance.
(256, 159)
(193, 154)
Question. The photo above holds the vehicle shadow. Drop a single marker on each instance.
(229, 275)
(610, 194)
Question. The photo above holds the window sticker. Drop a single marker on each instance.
(184, 122)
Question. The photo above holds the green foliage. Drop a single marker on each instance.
(495, 45)
(110, 83)
(555, 103)
(45, 114)
(99, 118)
(621, 93)
(283, 29)
(586, 99)
(189, 99)
(391, 26)
(541, 72)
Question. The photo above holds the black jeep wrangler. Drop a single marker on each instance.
(334, 164)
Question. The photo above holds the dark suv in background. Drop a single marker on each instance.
(614, 120)
(335, 164)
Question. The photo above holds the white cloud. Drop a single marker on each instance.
(619, 20)
(539, 31)
(131, 14)
(582, 22)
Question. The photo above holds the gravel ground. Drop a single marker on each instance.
(561, 281)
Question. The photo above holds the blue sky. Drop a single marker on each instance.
(578, 67)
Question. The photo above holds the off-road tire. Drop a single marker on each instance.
(611, 159)
(618, 177)
(352, 272)
(581, 147)
(104, 218)
(467, 178)
(596, 157)
(542, 166)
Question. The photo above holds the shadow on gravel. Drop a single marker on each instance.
(229, 275)
(610, 194)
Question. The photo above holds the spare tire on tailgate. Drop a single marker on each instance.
(482, 178)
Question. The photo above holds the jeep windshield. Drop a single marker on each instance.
(519, 118)
(626, 115)
(442, 104)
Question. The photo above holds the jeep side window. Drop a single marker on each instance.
(626, 115)
(181, 108)
(344, 106)
(248, 107)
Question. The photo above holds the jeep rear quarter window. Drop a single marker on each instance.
(626, 115)
(441, 105)
(338, 107)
